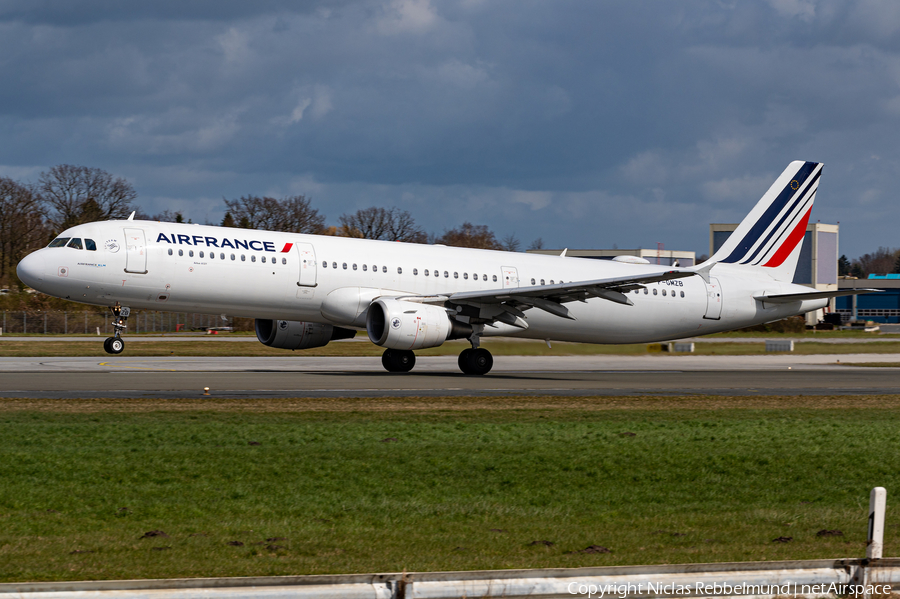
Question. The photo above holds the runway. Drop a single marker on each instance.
(124, 377)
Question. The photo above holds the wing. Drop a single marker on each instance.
(509, 305)
(787, 298)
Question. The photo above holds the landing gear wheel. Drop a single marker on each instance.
(114, 345)
(479, 362)
(463, 360)
(398, 360)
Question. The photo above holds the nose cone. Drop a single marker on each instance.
(31, 269)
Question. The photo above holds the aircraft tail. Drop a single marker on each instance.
(770, 237)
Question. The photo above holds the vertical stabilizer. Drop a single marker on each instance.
(770, 237)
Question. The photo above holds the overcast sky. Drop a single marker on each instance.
(588, 124)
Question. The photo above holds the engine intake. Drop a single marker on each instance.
(397, 324)
(291, 334)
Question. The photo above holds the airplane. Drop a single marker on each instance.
(307, 290)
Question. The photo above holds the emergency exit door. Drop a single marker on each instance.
(307, 265)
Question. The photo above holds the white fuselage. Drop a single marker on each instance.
(332, 280)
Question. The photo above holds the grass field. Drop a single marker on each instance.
(266, 487)
(215, 347)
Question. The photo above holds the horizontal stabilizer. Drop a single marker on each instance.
(787, 298)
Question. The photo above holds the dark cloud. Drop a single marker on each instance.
(585, 123)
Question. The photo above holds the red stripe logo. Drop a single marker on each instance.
(287, 247)
(790, 243)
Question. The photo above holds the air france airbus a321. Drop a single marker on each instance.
(307, 290)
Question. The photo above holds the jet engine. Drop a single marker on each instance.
(398, 324)
(289, 334)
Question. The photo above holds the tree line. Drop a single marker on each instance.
(32, 214)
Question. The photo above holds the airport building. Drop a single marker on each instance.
(881, 307)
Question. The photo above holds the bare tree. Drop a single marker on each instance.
(468, 235)
(880, 261)
(22, 225)
(378, 223)
(511, 243)
(80, 194)
(537, 244)
(292, 213)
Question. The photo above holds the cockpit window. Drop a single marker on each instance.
(89, 245)
(75, 243)
(59, 242)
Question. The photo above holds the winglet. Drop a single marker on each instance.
(132, 215)
(563, 255)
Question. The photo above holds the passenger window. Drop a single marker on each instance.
(325, 264)
(284, 261)
(212, 255)
(263, 259)
(532, 281)
(354, 266)
(90, 246)
(253, 258)
(455, 275)
(437, 272)
(495, 278)
(59, 242)
(466, 276)
(221, 255)
(384, 269)
(334, 265)
(75, 244)
(232, 256)
(664, 292)
(682, 294)
(399, 271)
(243, 258)
(484, 277)
(426, 272)
(645, 291)
(542, 281)
(345, 266)
(191, 253)
(654, 292)
(365, 267)
(201, 254)
(551, 282)
(181, 252)
(415, 271)
(170, 251)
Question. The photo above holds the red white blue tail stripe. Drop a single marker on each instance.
(776, 226)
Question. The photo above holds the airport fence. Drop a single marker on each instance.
(87, 322)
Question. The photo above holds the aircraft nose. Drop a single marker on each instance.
(31, 269)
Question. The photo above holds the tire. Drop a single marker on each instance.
(463, 360)
(116, 345)
(480, 361)
(404, 360)
(106, 345)
(387, 360)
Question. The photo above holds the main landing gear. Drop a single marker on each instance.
(474, 360)
(398, 360)
(115, 344)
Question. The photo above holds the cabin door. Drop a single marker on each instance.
(135, 251)
(713, 299)
(307, 265)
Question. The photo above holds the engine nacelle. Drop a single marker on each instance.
(397, 324)
(290, 334)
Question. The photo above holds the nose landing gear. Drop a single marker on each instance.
(115, 344)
